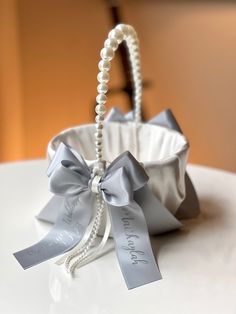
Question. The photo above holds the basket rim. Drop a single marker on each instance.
(160, 161)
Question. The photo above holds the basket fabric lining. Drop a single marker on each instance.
(154, 143)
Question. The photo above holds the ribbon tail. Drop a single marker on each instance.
(99, 249)
(133, 247)
(159, 219)
(68, 230)
(51, 210)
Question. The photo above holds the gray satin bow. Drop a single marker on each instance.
(71, 178)
(190, 207)
(131, 205)
(123, 187)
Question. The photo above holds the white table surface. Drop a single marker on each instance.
(198, 263)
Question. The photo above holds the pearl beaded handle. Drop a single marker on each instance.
(120, 33)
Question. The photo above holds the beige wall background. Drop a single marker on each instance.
(49, 52)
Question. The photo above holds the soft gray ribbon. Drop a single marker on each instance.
(190, 207)
(123, 188)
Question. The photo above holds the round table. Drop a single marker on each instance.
(198, 262)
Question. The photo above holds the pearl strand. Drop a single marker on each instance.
(82, 254)
(119, 34)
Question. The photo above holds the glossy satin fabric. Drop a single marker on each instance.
(190, 207)
(123, 181)
(162, 152)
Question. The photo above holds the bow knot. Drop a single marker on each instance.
(95, 184)
(72, 176)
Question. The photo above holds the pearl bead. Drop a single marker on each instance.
(133, 43)
(123, 28)
(138, 107)
(99, 119)
(138, 83)
(131, 31)
(111, 42)
(135, 71)
(115, 37)
(98, 134)
(103, 77)
(99, 157)
(135, 54)
(136, 68)
(101, 98)
(133, 37)
(98, 150)
(99, 126)
(102, 88)
(107, 53)
(136, 64)
(100, 109)
(135, 58)
(136, 74)
(138, 92)
(137, 78)
(98, 143)
(116, 34)
(137, 97)
(104, 65)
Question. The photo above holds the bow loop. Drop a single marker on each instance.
(133, 170)
(68, 173)
(116, 188)
(68, 179)
(71, 176)
(66, 154)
